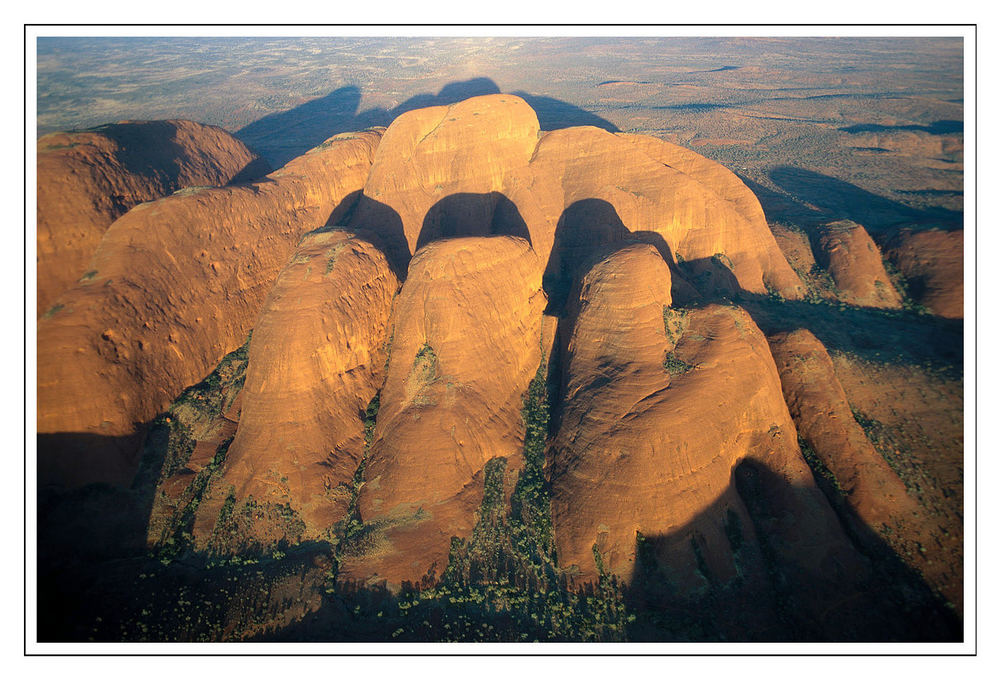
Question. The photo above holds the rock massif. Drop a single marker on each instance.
(315, 363)
(466, 343)
(855, 263)
(933, 263)
(664, 413)
(408, 290)
(88, 179)
(175, 285)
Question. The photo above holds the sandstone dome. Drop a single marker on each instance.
(345, 351)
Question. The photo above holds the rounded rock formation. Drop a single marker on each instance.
(933, 264)
(176, 284)
(675, 454)
(855, 263)
(88, 179)
(316, 361)
(465, 345)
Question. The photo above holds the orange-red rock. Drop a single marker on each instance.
(855, 263)
(730, 188)
(176, 284)
(586, 186)
(472, 147)
(822, 414)
(316, 360)
(466, 344)
(88, 179)
(448, 171)
(656, 422)
(933, 263)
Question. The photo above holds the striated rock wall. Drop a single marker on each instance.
(466, 342)
(175, 285)
(88, 179)
(855, 263)
(316, 361)
(675, 453)
(933, 263)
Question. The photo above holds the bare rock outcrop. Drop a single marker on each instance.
(759, 242)
(933, 264)
(316, 361)
(855, 263)
(465, 345)
(175, 285)
(88, 179)
(822, 414)
(667, 419)
(469, 149)
(587, 187)
(481, 167)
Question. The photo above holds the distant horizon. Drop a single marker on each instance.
(89, 81)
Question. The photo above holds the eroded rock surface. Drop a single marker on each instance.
(855, 263)
(668, 419)
(176, 284)
(933, 263)
(465, 344)
(88, 179)
(316, 361)
(823, 417)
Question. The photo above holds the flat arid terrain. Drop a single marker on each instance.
(522, 339)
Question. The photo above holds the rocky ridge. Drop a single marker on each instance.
(87, 179)
(406, 290)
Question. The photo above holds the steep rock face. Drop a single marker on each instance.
(669, 421)
(88, 179)
(481, 167)
(176, 284)
(855, 263)
(822, 414)
(315, 362)
(759, 241)
(466, 343)
(933, 263)
(586, 187)
(467, 149)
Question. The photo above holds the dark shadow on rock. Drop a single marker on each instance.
(836, 199)
(280, 137)
(755, 587)
(254, 170)
(588, 230)
(712, 277)
(584, 228)
(149, 148)
(472, 214)
(383, 225)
